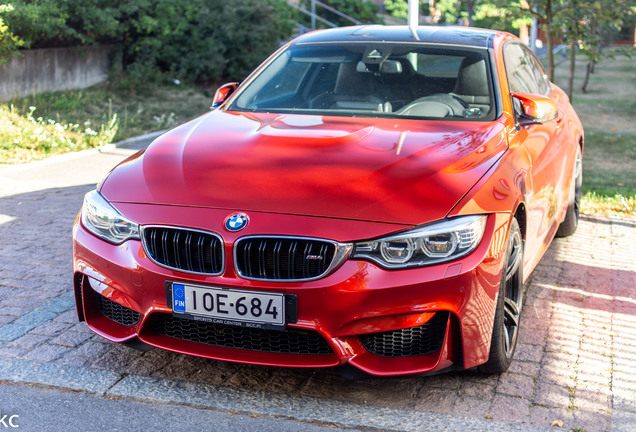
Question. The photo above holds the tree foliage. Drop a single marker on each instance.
(477, 13)
(210, 40)
(400, 8)
(578, 23)
(588, 25)
(194, 40)
(365, 12)
(52, 23)
(9, 42)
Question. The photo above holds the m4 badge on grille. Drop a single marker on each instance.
(236, 222)
(314, 258)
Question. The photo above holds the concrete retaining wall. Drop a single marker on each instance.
(51, 69)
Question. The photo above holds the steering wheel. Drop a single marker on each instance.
(438, 105)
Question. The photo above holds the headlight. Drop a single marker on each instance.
(101, 218)
(430, 244)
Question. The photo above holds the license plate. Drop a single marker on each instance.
(228, 306)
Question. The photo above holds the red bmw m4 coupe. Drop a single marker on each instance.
(371, 196)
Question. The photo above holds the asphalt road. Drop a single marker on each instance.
(52, 410)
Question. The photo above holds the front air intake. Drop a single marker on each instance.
(288, 341)
(116, 312)
(414, 341)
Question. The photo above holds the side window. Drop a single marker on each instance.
(538, 72)
(520, 70)
(524, 73)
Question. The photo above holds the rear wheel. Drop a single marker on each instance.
(509, 302)
(571, 221)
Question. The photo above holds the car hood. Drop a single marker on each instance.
(385, 170)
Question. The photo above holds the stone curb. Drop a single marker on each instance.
(299, 408)
(54, 375)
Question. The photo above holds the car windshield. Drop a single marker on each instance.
(374, 80)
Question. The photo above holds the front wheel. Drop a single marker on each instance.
(509, 302)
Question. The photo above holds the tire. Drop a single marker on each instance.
(571, 221)
(509, 303)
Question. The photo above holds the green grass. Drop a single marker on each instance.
(135, 110)
(153, 107)
(608, 114)
(24, 137)
(610, 164)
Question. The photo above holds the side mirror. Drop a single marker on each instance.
(223, 93)
(534, 108)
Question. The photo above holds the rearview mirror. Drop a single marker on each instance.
(223, 93)
(391, 67)
(386, 67)
(534, 108)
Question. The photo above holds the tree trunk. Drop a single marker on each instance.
(550, 48)
(588, 72)
(533, 35)
(548, 36)
(600, 53)
(470, 11)
(572, 69)
(599, 47)
(590, 65)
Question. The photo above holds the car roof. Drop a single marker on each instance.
(438, 35)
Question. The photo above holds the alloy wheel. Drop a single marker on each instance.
(513, 292)
(578, 181)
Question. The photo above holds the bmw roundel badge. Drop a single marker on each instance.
(236, 222)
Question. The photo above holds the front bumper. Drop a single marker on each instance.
(383, 322)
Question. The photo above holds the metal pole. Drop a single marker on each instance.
(313, 14)
(533, 35)
(414, 14)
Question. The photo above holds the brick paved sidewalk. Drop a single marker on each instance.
(575, 362)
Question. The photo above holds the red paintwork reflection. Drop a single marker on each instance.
(312, 165)
(373, 325)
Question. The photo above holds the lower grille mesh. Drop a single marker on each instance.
(289, 341)
(116, 312)
(425, 339)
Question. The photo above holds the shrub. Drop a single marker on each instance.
(54, 23)
(248, 36)
(204, 40)
(9, 42)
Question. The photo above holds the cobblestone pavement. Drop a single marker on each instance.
(575, 362)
